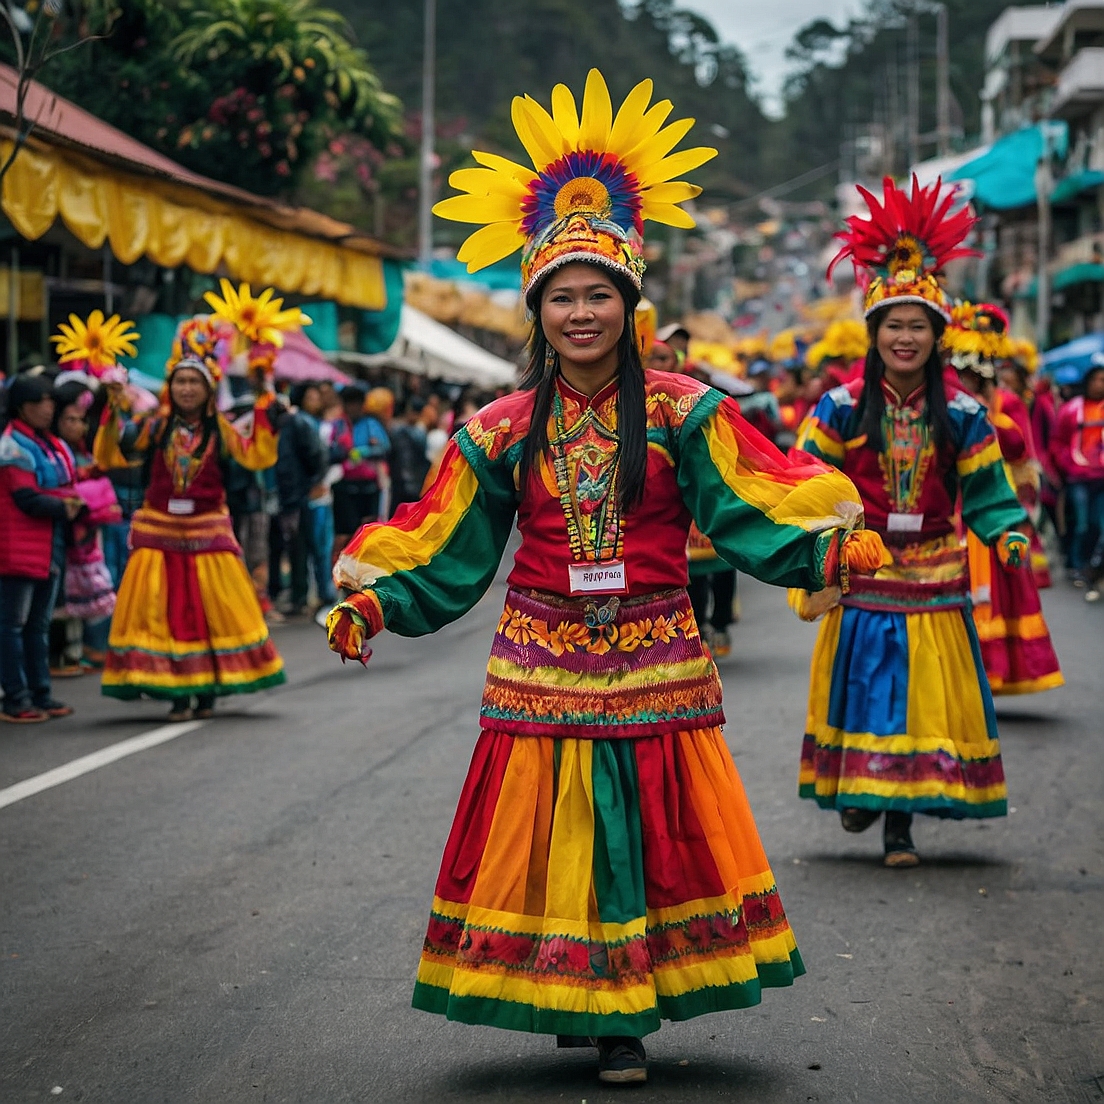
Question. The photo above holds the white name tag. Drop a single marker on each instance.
(598, 578)
(905, 523)
(180, 506)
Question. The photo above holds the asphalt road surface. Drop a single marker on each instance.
(235, 913)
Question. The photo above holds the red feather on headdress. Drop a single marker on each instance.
(906, 231)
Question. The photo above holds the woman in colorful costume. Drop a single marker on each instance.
(603, 870)
(900, 716)
(188, 627)
(1015, 642)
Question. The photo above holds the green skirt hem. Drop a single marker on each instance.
(514, 1016)
(132, 691)
(930, 806)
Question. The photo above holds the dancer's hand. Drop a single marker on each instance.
(349, 627)
(864, 552)
(1013, 550)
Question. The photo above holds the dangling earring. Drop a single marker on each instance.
(551, 361)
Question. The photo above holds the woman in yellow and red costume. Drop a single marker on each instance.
(1015, 642)
(603, 870)
(188, 627)
(900, 717)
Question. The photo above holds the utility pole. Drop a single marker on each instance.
(912, 62)
(425, 185)
(1044, 183)
(942, 83)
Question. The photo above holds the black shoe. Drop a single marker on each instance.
(858, 820)
(181, 710)
(53, 708)
(899, 848)
(205, 706)
(571, 1042)
(621, 1060)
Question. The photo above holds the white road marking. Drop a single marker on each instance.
(68, 771)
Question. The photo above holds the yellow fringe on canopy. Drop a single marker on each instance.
(142, 216)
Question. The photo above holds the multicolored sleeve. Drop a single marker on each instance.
(989, 503)
(821, 435)
(121, 441)
(257, 452)
(436, 558)
(778, 519)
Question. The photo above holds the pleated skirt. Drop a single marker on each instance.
(1016, 648)
(901, 716)
(188, 623)
(597, 886)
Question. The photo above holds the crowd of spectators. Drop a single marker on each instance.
(346, 456)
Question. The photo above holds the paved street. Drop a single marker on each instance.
(236, 914)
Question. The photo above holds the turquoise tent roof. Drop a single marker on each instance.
(1004, 176)
(1076, 183)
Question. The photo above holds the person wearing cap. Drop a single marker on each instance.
(603, 871)
(38, 502)
(188, 627)
(900, 718)
(1078, 450)
(677, 336)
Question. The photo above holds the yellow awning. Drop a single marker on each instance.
(174, 224)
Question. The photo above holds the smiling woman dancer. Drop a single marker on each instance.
(900, 714)
(603, 869)
(187, 625)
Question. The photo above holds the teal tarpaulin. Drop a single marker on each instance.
(1004, 176)
(378, 329)
(1073, 185)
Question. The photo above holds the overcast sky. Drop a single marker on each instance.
(762, 30)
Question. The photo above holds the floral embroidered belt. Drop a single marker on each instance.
(212, 532)
(925, 576)
(599, 667)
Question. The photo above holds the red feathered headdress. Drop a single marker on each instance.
(902, 248)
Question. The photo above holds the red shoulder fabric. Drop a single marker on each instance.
(28, 541)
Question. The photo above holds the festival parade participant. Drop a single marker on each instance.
(603, 870)
(188, 627)
(900, 716)
(1015, 642)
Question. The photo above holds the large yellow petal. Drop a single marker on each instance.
(543, 123)
(487, 182)
(597, 120)
(676, 191)
(475, 208)
(95, 320)
(628, 128)
(565, 114)
(502, 165)
(658, 147)
(668, 214)
(489, 244)
(531, 137)
(675, 165)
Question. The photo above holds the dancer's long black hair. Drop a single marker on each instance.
(871, 406)
(632, 416)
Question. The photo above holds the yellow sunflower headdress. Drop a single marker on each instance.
(259, 322)
(845, 340)
(595, 178)
(977, 338)
(901, 250)
(96, 345)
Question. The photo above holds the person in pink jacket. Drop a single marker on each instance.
(1078, 451)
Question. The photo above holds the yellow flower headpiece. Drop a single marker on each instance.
(595, 178)
(845, 340)
(259, 321)
(97, 344)
(977, 337)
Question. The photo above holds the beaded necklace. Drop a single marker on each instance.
(182, 454)
(589, 501)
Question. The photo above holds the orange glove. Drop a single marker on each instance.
(1013, 550)
(864, 552)
(351, 624)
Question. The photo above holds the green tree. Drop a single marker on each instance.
(246, 91)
